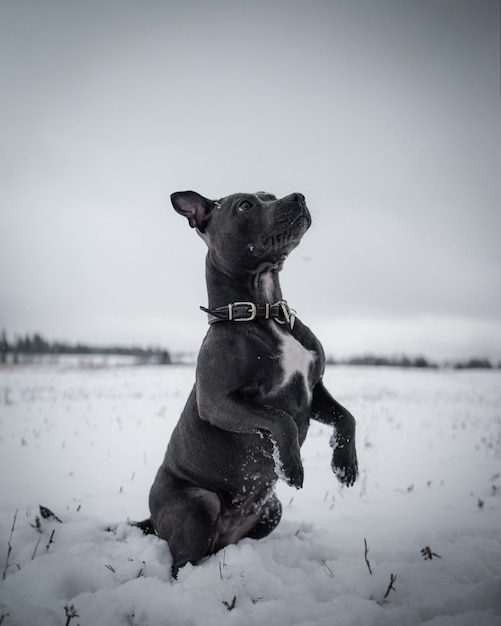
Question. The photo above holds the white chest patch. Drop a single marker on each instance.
(294, 359)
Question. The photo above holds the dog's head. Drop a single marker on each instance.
(245, 230)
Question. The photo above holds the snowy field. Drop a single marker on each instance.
(86, 443)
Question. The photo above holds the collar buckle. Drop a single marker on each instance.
(242, 311)
(289, 314)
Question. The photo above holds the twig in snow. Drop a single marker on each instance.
(393, 578)
(51, 539)
(70, 612)
(428, 554)
(366, 558)
(230, 605)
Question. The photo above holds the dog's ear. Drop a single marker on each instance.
(194, 207)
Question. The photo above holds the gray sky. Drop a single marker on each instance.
(386, 114)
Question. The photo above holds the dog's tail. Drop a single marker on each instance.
(146, 526)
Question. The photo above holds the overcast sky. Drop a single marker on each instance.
(385, 114)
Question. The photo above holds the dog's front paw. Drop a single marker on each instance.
(291, 471)
(344, 464)
(288, 465)
(294, 475)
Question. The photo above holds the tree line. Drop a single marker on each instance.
(419, 362)
(35, 344)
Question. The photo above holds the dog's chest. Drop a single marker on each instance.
(294, 359)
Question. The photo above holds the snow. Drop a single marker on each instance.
(86, 443)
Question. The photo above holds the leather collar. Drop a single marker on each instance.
(279, 312)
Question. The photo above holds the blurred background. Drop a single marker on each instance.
(385, 114)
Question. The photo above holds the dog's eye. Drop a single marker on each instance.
(244, 206)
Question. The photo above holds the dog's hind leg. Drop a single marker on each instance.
(186, 517)
(271, 514)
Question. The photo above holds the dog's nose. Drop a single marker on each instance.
(296, 207)
(296, 197)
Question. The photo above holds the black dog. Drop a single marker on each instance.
(258, 383)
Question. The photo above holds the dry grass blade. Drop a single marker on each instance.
(366, 556)
(327, 569)
(393, 578)
(9, 548)
(36, 548)
(51, 539)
